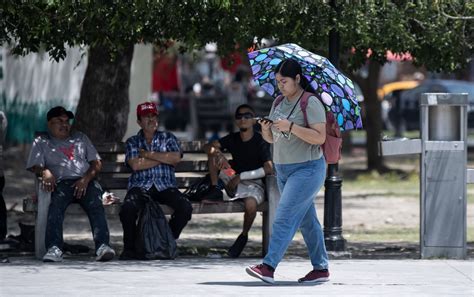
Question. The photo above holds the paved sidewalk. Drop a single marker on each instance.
(218, 277)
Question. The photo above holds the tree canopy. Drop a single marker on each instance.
(438, 34)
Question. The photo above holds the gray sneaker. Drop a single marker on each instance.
(105, 253)
(54, 254)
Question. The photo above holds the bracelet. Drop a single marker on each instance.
(291, 127)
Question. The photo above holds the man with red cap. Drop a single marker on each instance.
(152, 155)
(68, 163)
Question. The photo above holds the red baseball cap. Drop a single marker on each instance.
(146, 108)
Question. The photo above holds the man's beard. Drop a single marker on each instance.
(243, 129)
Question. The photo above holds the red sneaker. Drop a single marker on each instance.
(262, 272)
(315, 276)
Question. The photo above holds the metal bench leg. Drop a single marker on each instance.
(273, 195)
(265, 233)
(44, 199)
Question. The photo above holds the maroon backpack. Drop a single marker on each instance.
(333, 145)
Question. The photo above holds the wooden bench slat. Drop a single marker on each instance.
(119, 148)
(183, 166)
(111, 182)
(198, 208)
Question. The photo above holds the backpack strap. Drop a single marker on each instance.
(278, 100)
(304, 104)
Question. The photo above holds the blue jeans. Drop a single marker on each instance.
(62, 196)
(298, 184)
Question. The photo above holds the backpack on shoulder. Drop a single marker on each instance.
(333, 145)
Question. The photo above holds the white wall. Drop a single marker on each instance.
(140, 84)
(37, 78)
(39, 83)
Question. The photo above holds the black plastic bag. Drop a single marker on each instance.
(154, 237)
(197, 191)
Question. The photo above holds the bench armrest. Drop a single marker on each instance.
(44, 199)
(273, 196)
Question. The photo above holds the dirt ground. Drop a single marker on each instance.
(364, 212)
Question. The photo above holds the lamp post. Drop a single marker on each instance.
(332, 186)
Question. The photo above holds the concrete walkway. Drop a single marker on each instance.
(81, 276)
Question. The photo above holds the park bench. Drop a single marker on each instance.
(114, 178)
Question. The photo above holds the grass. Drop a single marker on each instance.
(383, 235)
(391, 183)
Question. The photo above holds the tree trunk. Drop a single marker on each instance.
(373, 119)
(102, 112)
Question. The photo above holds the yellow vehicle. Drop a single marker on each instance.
(384, 94)
(396, 86)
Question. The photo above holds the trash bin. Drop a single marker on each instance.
(443, 173)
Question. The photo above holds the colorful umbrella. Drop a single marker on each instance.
(334, 88)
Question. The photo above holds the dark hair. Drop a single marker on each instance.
(291, 68)
(244, 106)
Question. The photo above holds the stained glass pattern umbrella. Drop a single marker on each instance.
(334, 88)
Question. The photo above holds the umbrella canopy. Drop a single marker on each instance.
(335, 89)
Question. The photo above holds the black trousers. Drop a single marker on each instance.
(3, 211)
(135, 201)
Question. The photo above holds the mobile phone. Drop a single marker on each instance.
(263, 119)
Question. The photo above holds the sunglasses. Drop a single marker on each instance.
(245, 115)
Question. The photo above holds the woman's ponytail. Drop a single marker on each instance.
(304, 83)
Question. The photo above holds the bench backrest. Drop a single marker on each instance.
(114, 174)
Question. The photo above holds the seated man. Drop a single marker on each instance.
(251, 161)
(152, 155)
(67, 164)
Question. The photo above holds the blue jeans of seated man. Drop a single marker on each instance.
(62, 196)
(298, 184)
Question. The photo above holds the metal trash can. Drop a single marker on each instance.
(443, 173)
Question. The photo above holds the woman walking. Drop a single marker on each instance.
(301, 170)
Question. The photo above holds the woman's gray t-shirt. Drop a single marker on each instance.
(294, 149)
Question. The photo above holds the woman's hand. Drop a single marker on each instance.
(282, 125)
(265, 124)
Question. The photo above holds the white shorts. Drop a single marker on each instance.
(246, 188)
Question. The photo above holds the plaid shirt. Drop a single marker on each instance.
(161, 176)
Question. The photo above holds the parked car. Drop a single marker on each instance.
(409, 112)
(388, 93)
